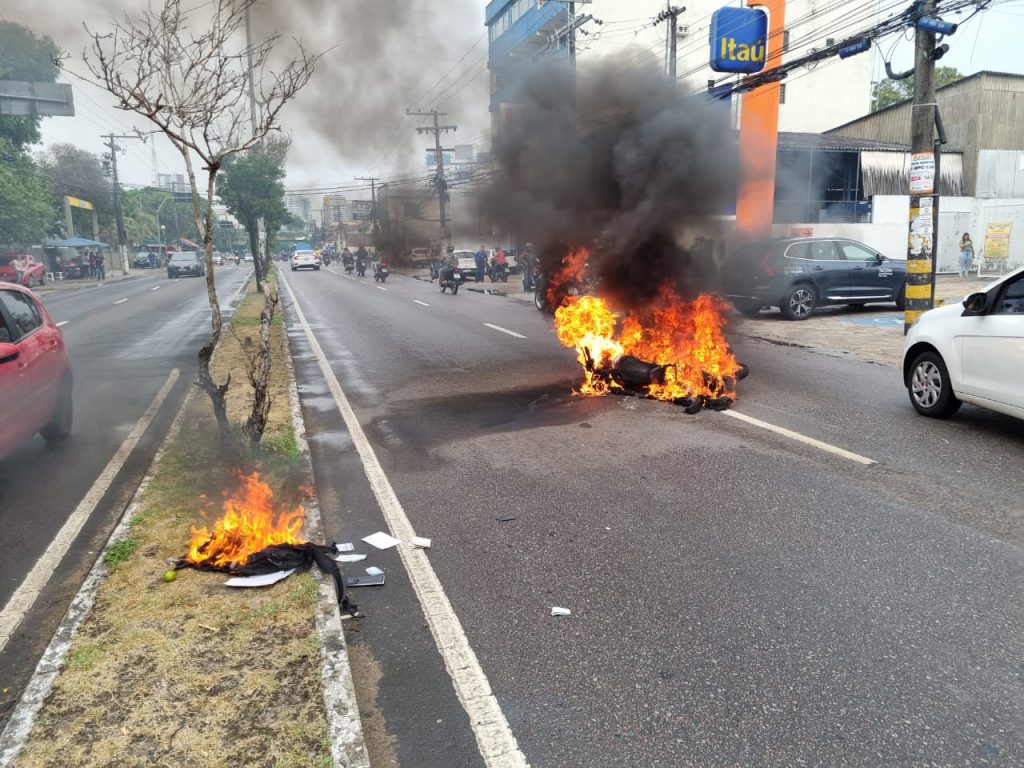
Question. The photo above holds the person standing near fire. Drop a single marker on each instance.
(101, 272)
(19, 270)
(966, 254)
(526, 261)
(480, 259)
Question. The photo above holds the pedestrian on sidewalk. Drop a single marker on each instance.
(19, 270)
(526, 261)
(480, 258)
(92, 263)
(966, 254)
(101, 272)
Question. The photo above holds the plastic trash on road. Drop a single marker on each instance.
(349, 558)
(556, 611)
(373, 570)
(381, 540)
(261, 580)
(420, 542)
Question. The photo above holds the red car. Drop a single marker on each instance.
(35, 374)
(35, 273)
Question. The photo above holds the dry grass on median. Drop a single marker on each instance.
(191, 672)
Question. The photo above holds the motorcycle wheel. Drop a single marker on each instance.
(455, 288)
(443, 286)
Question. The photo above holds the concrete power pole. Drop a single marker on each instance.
(924, 182)
(373, 198)
(439, 180)
(671, 13)
(122, 235)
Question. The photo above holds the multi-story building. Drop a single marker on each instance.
(300, 206)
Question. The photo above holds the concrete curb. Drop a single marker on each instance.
(348, 746)
(16, 734)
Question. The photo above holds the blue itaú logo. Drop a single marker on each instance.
(738, 40)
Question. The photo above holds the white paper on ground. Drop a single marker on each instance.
(381, 540)
(348, 546)
(560, 612)
(422, 543)
(373, 570)
(349, 558)
(263, 580)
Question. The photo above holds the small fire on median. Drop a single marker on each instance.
(249, 524)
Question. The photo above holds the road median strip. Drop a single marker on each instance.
(183, 670)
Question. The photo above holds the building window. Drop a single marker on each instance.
(782, 93)
(785, 41)
(830, 41)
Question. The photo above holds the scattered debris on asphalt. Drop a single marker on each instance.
(556, 611)
(506, 518)
(420, 542)
(350, 558)
(348, 546)
(381, 540)
(373, 570)
(365, 581)
(261, 580)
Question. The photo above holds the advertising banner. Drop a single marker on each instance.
(997, 241)
(738, 40)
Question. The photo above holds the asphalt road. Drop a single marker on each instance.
(737, 597)
(124, 340)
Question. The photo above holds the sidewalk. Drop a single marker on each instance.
(53, 286)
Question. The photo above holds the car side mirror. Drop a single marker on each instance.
(8, 353)
(975, 304)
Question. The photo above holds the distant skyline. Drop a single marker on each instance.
(988, 41)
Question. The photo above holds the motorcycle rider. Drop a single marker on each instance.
(449, 264)
(362, 259)
(500, 267)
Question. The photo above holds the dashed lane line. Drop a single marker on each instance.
(505, 330)
(381, 288)
(155, 288)
(121, 301)
(63, 323)
(494, 736)
(28, 591)
(856, 457)
(421, 303)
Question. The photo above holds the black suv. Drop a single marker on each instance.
(186, 263)
(797, 275)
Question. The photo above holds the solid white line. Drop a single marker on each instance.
(421, 303)
(505, 330)
(121, 301)
(802, 438)
(28, 591)
(381, 288)
(494, 737)
(63, 322)
(348, 276)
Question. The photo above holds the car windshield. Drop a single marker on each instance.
(184, 256)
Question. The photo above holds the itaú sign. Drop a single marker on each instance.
(738, 40)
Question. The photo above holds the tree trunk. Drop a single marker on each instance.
(254, 249)
(259, 375)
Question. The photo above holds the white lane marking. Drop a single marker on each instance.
(505, 330)
(155, 288)
(349, 277)
(363, 282)
(63, 322)
(381, 288)
(421, 303)
(121, 301)
(28, 591)
(494, 737)
(802, 438)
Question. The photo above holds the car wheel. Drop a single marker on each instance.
(170, 275)
(800, 302)
(930, 389)
(901, 298)
(59, 426)
(748, 307)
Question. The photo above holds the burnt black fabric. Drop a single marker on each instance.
(284, 557)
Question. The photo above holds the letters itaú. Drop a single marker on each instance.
(738, 40)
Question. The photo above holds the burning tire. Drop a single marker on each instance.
(800, 302)
(928, 385)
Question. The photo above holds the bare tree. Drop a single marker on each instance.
(189, 77)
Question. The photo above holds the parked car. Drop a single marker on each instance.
(185, 263)
(305, 260)
(971, 352)
(467, 263)
(35, 374)
(419, 257)
(35, 272)
(798, 275)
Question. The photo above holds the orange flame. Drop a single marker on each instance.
(249, 524)
(685, 337)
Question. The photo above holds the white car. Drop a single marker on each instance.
(971, 352)
(305, 260)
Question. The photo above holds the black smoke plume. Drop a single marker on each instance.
(631, 172)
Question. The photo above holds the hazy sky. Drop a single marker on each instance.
(386, 56)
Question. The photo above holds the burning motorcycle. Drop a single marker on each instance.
(450, 277)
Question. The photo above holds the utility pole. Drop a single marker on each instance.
(122, 235)
(671, 13)
(373, 197)
(439, 180)
(252, 84)
(924, 180)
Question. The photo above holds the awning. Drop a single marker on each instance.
(888, 173)
(75, 242)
